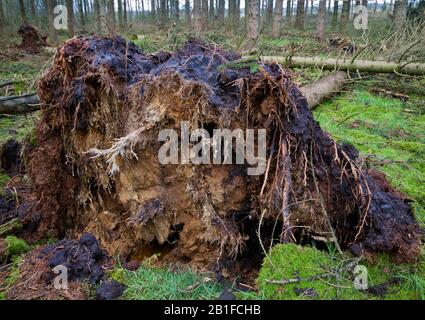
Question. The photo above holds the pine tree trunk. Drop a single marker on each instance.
(124, 13)
(204, 14)
(163, 13)
(111, 18)
(400, 12)
(153, 9)
(188, 15)
(96, 11)
(197, 15)
(176, 10)
(299, 22)
(345, 15)
(211, 10)
(120, 16)
(253, 21)
(288, 9)
(32, 9)
(49, 5)
(102, 17)
(221, 5)
(24, 19)
(70, 9)
(320, 29)
(269, 12)
(277, 17)
(335, 14)
(81, 13)
(1, 16)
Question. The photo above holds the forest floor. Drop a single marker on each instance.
(388, 132)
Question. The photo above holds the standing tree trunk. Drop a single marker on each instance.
(176, 10)
(124, 13)
(375, 6)
(288, 9)
(96, 10)
(1, 16)
(253, 22)
(120, 16)
(153, 9)
(211, 10)
(345, 16)
(32, 9)
(86, 9)
(111, 18)
(49, 5)
(269, 14)
(204, 6)
(197, 15)
(81, 13)
(70, 9)
(102, 17)
(163, 13)
(277, 17)
(24, 19)
(320, 28)
(400, 12)
(221, 5)
(335, 14)
(299, 22)
(187, 11)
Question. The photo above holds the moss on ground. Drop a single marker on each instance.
(327, 276)
(389, 134)
(15, 246)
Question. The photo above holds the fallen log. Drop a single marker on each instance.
(349, 64)
(19, 104)
(324, 88)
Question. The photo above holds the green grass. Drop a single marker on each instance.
(158, 283)
(388, 133)
(17, 127)
(318, 269)
(15, 246)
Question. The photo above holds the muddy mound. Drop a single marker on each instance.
(97, 170)
(32, 40)
(10, 157)
(83, 259)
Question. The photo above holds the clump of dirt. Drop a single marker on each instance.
(96, 167)
(84, 260)
(32, 40)
(10, 157)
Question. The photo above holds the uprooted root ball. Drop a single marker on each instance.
(96, 168)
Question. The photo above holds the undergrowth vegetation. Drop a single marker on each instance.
(296, 272)
(389, 134)
(160, 283)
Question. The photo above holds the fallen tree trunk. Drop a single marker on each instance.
(348, 64)
(19, 104)
(324, 88)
